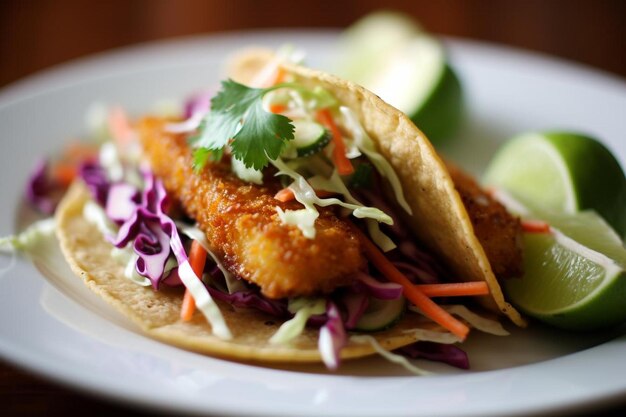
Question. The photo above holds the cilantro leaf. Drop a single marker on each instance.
(261, 136)
(202, 155)
(237, 117)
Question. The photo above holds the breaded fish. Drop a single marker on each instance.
(498, 231)
(243, 227)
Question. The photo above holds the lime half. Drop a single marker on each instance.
(388, 54)
(365, 42)
(574, 276)
(561, 171)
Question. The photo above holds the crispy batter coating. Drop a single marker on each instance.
(497, 230)
(242, 225)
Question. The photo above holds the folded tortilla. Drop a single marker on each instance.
(440, 221)
(157, 313)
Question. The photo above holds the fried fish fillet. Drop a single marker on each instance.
(498, 231)
(243, 227)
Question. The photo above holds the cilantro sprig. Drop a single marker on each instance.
(237, 118)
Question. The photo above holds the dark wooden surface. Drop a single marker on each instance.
(36, 34)
(24, 394)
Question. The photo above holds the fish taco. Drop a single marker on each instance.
(296, 217)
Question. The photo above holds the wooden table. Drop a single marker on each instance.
(37, 34)
(23, 394)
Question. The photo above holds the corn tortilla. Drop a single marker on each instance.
(157, 313)
(440, 219)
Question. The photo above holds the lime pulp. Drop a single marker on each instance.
(574, 277)
(562, 171)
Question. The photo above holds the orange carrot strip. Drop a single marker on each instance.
(79, 152)
(279, 76)
(428, 307)
(197, 259)
(188, 307)
(119, 125)
(278, 108)
(64, 173)
(269, 76)
(455, 289)
(286, 194)
(343, 164)
(535, 226)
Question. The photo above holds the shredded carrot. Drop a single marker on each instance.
(197, 259)
(428, 307)
(64, 173)
(188, 307)
(279, 76)
(286, 194)
(343, 164)
(454, 289)
(269, 76)
(278, 108)
(119, 125)
(535, 226)
(79, 152)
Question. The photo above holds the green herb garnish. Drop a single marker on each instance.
(237, 118)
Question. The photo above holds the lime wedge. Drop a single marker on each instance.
(370, 38)
(388, 54)
(574, 276)
(564, 172)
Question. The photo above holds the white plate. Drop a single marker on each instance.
(52, 325)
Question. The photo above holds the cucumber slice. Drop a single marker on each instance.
(381, 314)
(309, 137)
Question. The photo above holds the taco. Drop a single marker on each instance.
(285, 188)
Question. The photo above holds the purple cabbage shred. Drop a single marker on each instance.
(40, 190)
(355, 304)
(172, 279)
(150, 229)
(253, 300)
(95, 177)
(335, 334)
(438, 352)
(121, 202)
(198, 103)
(377, 289)
(152, 245)
(418, 266)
